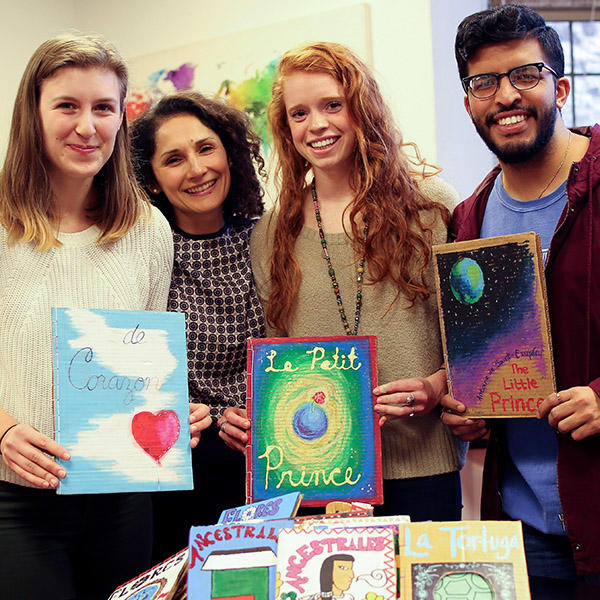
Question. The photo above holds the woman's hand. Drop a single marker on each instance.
(233, 426)
(23, 448)
(407, 398)
(199, 421)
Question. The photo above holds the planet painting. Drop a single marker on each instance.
(310, 420)
(466, 281)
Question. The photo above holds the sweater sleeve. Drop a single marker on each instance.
(161, 261)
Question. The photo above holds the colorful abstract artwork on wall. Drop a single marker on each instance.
(240, 67)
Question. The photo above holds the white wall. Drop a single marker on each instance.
(25, 24)
(460, 151)
(401, 32)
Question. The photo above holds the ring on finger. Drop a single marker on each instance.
(412, 414)
(410, 400)
(222, 426)
(558, 397)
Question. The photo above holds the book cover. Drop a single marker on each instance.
(234, 561)
(482, 560)
(495, 326)
(280, 507)
(158, 583)
(313, 427)
(357, 562)
(121, 400)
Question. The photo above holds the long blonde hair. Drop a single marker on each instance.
(26, 203)
(387, 195)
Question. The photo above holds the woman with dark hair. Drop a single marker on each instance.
(75, 231)
(198, 158)
(347, 250)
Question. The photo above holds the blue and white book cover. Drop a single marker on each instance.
(121, 400)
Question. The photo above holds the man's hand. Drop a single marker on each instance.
(575, 411)
(462, 427)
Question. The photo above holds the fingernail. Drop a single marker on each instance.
(46, 484)
(193, 428)
(66, 456)
(246, 424)
(54, 482)
(62, 473)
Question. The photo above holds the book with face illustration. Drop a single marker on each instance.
(340, 563)
(121, 400)
(314, 429)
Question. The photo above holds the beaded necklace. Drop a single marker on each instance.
(336, 288)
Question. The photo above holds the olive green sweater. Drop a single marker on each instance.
(408, 337)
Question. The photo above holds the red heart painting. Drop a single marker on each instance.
(156, 433)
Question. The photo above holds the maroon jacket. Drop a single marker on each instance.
(573, 283)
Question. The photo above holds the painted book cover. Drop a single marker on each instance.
(482, 560)
(236, 561)
(158, 583)
(280, 507)
(495, 326)
(313, 426)
(121, 400)
(346, 563)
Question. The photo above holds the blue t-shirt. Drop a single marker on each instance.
(529, 486)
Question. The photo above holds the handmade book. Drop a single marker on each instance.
(463, 559)
(161, 582)
(121, 400)
(280, 507)
(357, 562)
(495, 326)
(314, 429)
(234, 561)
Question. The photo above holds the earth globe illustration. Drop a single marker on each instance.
(466, 281)
(310, 420)
(463, 586)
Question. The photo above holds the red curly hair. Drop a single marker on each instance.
(398, 244)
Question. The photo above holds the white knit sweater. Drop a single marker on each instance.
(133, 273)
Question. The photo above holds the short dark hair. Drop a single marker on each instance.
(233, 127)
(504, 23)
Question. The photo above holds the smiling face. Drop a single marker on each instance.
(342, 575)
(319, 120)
(516, 125)
(80, 116)
(191, 168)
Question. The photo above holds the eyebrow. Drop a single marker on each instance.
(196, 143)
(110, 99)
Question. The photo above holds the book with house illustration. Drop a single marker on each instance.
(495, 326)
(482, 560)
(234, 560)
(313, 430)
(121, 400)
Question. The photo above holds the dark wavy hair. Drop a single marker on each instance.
(504, 23)
(233, 127)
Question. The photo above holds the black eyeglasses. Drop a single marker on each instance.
(524, 77)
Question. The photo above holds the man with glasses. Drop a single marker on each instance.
(545, 471)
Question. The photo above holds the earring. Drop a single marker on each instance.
(154, 190)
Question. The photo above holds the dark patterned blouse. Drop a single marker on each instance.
(212, 284)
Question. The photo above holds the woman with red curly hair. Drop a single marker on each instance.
(347, 250)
